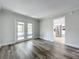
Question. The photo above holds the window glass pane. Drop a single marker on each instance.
(29, 30)
(20, 29)
(30, 36)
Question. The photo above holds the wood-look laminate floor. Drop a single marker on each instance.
(38, 49)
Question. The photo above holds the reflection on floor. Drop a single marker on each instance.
(38, 49)
(60, 40)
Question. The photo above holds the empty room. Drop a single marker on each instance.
(39, 29)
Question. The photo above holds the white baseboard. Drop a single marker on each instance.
(75, 46)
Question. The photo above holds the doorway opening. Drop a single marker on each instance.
(59, 30)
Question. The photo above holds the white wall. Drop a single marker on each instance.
(72, 29)
(7, 25)
(46, 29)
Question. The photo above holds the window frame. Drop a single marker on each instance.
(22, 36)
(31, 29)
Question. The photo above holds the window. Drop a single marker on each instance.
(20, 30)
(29, 30)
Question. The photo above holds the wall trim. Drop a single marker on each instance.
(72, 46)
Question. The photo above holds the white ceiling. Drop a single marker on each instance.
(40, 8)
